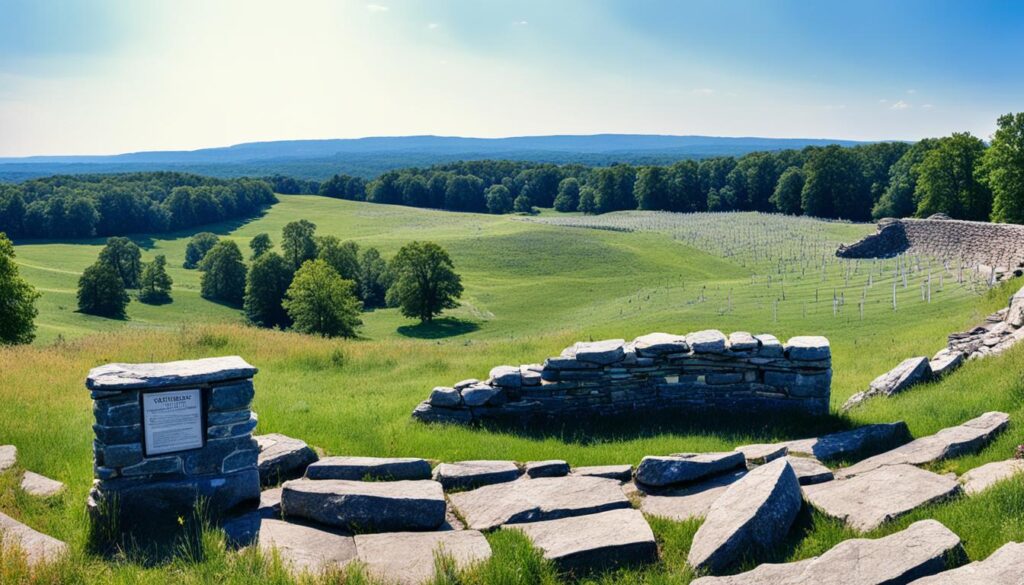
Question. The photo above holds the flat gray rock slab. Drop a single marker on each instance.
(369, 468)
(407, 558)
(658, 344)
(907, 373)
(690, 502)
(304, 548)
(966, 438)
(983, 477)
(464, 475)
(282, 458)
(686, 467)
(762, 453)
(270, 503)
(603, 353)
(945, 362)
(707, 341)
(1003, 567)
(546, 498)
(594, 542)
(895, 559)
(808, 348)
(550, 468)
(617, 472)
(809, 470)
(366, 506)
(853, 442)
(752, 516)
(8, 457)
(180, 373)
(867, 501)
(40, 486)
(38, 547)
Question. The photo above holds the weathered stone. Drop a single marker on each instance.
(118, 435)
(548, 498)
(238, 429)
(909, 372)
(169, 465)
(480, 394)
(8, 457)
(770, 346)
(369, 468)
(507, 376)
(616, 472)
(40, 486)
(808, 348)
(868, 500)
(470, 474)
(366, 506)
(36, 546)
(899, 558)
(122, 455)
(282, 458)
(605, 352)
(181, 373)
(945, 362)
(531, 374)
(445, 397)
(550, 468)
(232, 396)
(751, 517)
(850, 443)
(985, 476)
(659, 344)
(462, 385)
(407, 558)
(707, 341)
(304, 548)
(270, 503)
(687, 503)
(742, 341)
(950, 442)
(760, 454)
(809, 470)
(433, 414)
(602, 541)
(1003, 567)
(685, 467)
(221, 417)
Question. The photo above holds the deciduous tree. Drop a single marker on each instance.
(425, 281)
(17, 299)
(320, 302)
(101, 292)
(265, 286)
(1003, 169)
(198, 246)
(155, 284)
(125, 257)
(298, 243)
(223, 274)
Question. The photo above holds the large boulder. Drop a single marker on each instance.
(848, 444)
(464, 475)
(690, 502)
(282, 458)
(1003, 567)
(868, 500)
(304, 548)
(369, 468)
(686, 467)
(594, 542)
(408, 558)
(546, 498)
(896, 559)
(983, 477)
(966, 438)
(366, 506)
(37, 546)
(753, 516)
(909, 372)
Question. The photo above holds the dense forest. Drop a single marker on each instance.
(959, 175)
(81, 206)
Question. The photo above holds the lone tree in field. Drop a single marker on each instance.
(155, 284)
(260, 244)
(265, 287)
(320, 302)
(17, 299)
(425, 281)
(197, 248)
(298, 243)
(223, 274)
(125, 257)
(101, 292)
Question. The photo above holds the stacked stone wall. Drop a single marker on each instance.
(655, 372)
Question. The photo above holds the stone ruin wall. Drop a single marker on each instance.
(977, 244)
(706, 370)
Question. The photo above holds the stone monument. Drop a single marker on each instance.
(171, 439)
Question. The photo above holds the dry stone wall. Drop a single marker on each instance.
(703, 370)
(974, 243)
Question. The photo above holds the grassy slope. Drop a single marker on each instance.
(530, 290)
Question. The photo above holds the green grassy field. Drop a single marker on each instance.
(531, 289)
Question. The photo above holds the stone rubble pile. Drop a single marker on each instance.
(702, 370)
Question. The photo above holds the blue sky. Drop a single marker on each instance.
(105, 76)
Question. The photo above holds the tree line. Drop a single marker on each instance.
(958, 175)
(82, 206)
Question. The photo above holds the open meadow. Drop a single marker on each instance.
(533, 285)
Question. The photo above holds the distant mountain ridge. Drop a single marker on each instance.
(319, 159)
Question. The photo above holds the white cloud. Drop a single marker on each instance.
(520, 23)
(377, 8)
(899, 105)
(432, 25)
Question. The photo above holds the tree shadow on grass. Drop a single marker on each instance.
(439, 328)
